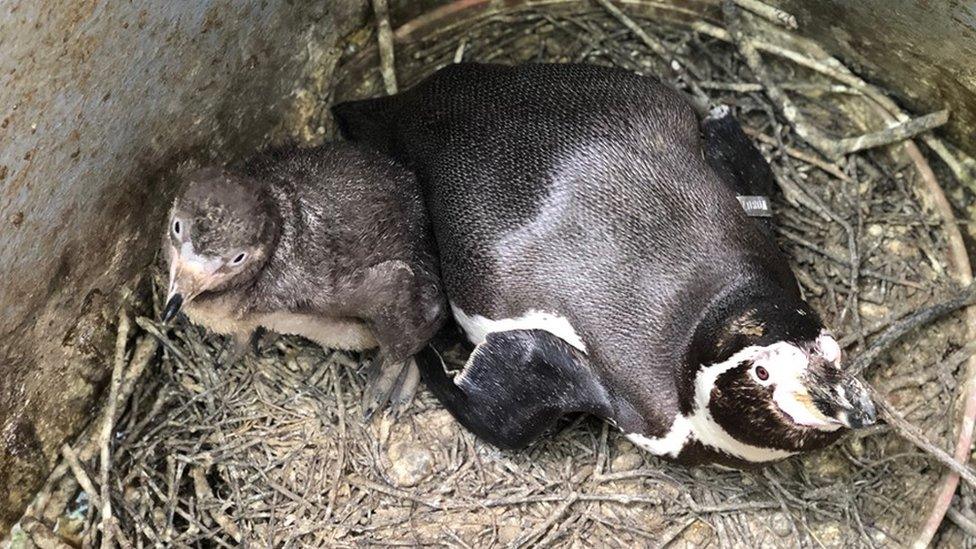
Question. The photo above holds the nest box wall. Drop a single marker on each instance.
(97, 101)
(920, 50)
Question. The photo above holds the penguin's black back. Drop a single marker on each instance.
(577, 190)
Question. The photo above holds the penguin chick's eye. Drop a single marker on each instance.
(177, 227)
(238, 259)
(762, 373)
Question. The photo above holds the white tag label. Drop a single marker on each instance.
(756, 206)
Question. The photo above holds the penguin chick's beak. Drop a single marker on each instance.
(187, 279)
(840, 397)
(173, 305)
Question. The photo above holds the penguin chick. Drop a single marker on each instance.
(330, 243)
(600, 262)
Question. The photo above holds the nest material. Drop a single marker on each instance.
(272, 450)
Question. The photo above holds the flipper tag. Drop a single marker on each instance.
(756, 206)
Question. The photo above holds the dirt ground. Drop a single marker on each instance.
(272, 450)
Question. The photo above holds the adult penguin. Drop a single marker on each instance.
(594, 250)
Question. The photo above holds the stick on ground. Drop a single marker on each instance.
(384, 35)
(766, 11)
(105, 437)
(964, 298)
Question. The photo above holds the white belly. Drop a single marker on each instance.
(334, 333)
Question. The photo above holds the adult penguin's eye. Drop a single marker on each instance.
(762, 373)
(177, 227)
(239, 259)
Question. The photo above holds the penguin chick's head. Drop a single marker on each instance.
(783, 392)
(219, 232)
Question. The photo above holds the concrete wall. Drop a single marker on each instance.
(923, 49)
(98, 102)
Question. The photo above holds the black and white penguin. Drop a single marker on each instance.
(594, 250)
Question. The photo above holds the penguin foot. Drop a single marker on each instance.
(234, 349)
(405, 389)
(383, 378)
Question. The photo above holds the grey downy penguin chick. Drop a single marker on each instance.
(601, 264)
(330, 243)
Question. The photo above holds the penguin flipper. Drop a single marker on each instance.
(515, 386)
(732, 155)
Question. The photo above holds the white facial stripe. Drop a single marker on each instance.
(477, 327)
(786, 365)
(703, 427)
(708, 431)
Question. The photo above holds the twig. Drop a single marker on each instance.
(459, 57)
(911, 433)
(364, 484)
(894, 134)
(81, 476)
(41, 535)
(384, 36)
(752, 87)
(205, 497)
(108, 422)
(150, 327)
(766, 11)
(700, 98)
(750, 54)
(899, 329)
(962, 522)
(831, 169)
(833, 68)
(846, 263)
(672, 534)
(827, 146)
(963, 273)
(541, 528)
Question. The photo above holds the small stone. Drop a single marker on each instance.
(781, 525)
(508, 533)
(409, 463)
(870, 310)
(441, 425)
(875, 230)
(623, 445)
(581, 474)
(626, 462)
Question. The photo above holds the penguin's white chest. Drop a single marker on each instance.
(334, 333)
(477, 327)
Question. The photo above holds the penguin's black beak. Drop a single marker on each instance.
(172, 307)
(841, 397)
(852, 405)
